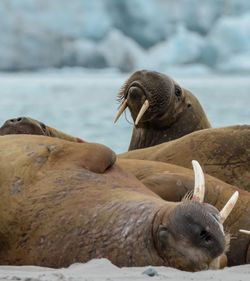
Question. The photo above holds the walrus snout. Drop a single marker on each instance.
(136, 97)
(22, 125)
(136, 93)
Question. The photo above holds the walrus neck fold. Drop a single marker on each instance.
(145, 137)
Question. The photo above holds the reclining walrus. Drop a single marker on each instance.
(64, 202)
(161, 109)
(172, 183)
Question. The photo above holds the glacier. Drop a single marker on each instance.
(126, 35)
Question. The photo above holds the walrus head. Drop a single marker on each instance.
(149, 95)
(191, 236)
(27, 125)
(161, 109)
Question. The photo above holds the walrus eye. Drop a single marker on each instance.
(178, 91)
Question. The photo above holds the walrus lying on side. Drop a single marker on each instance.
(64, 202)
(161, 109)
(172, 183)
(27, 125)
(223, 152)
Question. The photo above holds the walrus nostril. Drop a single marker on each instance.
(205, 236)
(15, 120)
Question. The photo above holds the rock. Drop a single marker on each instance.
(150, 272)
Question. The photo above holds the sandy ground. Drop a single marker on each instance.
(102, 269)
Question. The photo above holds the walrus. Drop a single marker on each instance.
(173, 183)
(161, 109)
(64, 202)
(27, 125)
(223, 152)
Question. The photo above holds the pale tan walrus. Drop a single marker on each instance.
(64, 202)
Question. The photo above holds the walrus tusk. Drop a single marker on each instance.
(120, 111)
(199, 182)
(225, 212)
(143, 109)
(244, 231)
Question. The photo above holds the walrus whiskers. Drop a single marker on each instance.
(120, 111)
(224, 213)
(143, 109)
(244, 231)
(199, 182)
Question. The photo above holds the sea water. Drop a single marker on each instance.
(83, 103)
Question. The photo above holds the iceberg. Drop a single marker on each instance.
(239, 63)
(183, 48)
(230, 36)
(144, 21)
(122, 52)
(84, 53)
(126, 35)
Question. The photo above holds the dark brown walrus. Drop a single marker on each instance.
(223, 152)
(173, 182)
(161, 109)
(64, 202)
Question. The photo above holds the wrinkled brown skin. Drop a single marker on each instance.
(173, 111)
(223, 153)
(30, 126)
(64, 202)
(173, 182)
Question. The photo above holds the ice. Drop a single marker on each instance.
(183, 48)
(37, 33)
(146, 22)
(122, 52)
(237, 63)
(231, 35)
(126, 35)
(85, 53)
